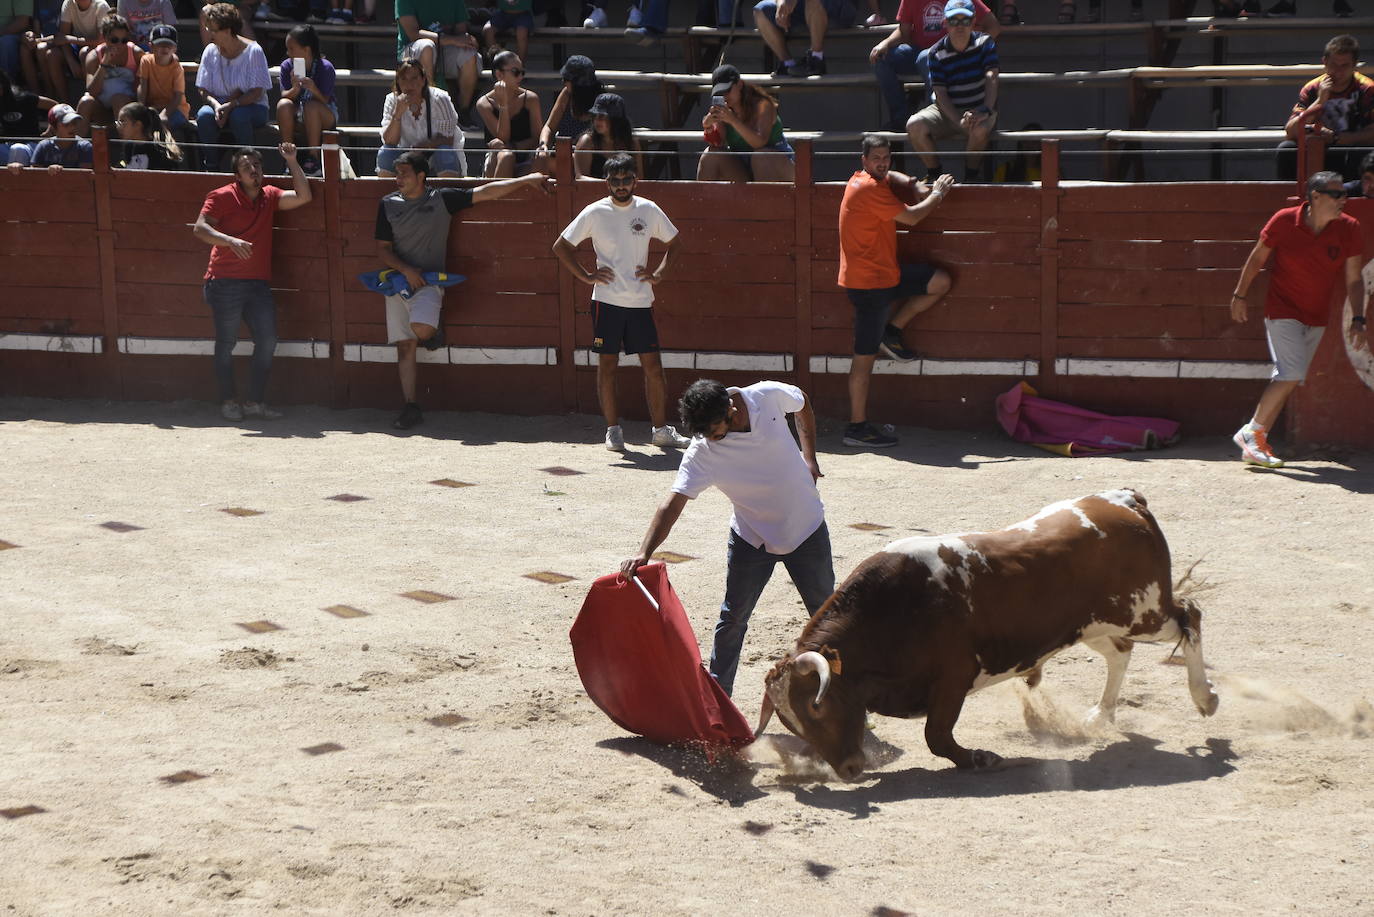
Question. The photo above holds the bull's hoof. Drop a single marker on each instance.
(1209, 706)
(982, 758)
(1098, 718)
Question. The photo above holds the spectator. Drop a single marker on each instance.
(16, 22)
(620, 227)
(64, 149)
(236, 222)
(341, 12)
(1316, 248)
(509, 113)
(112, 72)
(307, 97)
(147, 144)
(63, 56)
(234, 81)
(742, 445)
(1364, 185)
(774, 19)
(23, 115)
(162, 80)
(412, 237)
(963, 74)
(744, 133)
(429, 28)
(1337, 108)
(905, 52)
(886, 295)
(647, 25)
(143, 16)
(1340, 8)
(611, 132)
(571, 113)
(416, 116)
(510, 16)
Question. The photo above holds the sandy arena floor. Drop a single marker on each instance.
(435, 754)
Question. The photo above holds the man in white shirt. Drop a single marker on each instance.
(620, 227)
(741, 444)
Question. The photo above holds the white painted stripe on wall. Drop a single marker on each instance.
(456, 356)
(931, 367)
(199, 347)
(1163, 369)
(1222, 369)
(54, 343)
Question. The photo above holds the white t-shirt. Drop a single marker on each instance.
(620, 236)
(762, 471)
(85, 23)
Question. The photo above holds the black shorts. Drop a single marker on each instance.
(871, 306)
(617, 328)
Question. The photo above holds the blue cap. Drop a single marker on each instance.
(959, 8)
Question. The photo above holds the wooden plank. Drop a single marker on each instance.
(62, 240)
(1157, 349)
(92, 324)
(54, 206)
(1117, 321)
(55, 272)
(1166, 226)
(1145, 288)
(1184, 198)
(1134, 254)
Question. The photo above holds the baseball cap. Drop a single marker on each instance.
(959, 8)
(62, 114)
(579, 70)
(725, 76)
(608, 104)
(163, 35)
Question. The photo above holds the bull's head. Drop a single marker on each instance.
(813, 701)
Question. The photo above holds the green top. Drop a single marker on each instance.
(12, 9)
(431, 14)
(737, 144)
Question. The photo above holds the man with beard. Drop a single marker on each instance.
(236, 221)
(886, 295)
(620, 227)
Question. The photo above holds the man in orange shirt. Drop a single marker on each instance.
(877, 285)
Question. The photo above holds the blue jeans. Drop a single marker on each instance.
(9, 54)
(242, 122)
(901, 61)
(242, 301)
(441, 159)
(748, 570)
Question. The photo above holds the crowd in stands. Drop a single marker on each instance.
(133, 81)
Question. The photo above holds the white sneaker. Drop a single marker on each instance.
(260, 14)
(1254, 447)
(231, 410)
(596, 19)
(874, 20)
(615, 439)
(669, 438)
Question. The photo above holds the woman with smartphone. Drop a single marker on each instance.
(743, 132)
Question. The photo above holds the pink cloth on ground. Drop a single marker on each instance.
(1074, 431)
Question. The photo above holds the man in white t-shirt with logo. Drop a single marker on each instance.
(741, 444)
(620, 227)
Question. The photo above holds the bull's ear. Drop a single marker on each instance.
(832, 656)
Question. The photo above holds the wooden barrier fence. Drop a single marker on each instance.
(1111, 296)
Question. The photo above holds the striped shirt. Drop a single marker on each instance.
(442, 120)
(963, 74)
(221, 76)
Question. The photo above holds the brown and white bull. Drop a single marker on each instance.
(928, 620)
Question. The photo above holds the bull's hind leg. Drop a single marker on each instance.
(1198, 684)
(1117, 652)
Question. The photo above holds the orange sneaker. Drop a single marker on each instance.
(1254, 447)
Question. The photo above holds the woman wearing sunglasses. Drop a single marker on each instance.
(510, 114)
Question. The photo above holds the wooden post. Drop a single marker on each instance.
(801, 255)
(104, 233)
(1049, 261)
(1311, 158)
(333, 245)
(567, 286)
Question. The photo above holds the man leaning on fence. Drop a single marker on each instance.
(1337, 108)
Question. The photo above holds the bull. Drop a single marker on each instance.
(928, 620)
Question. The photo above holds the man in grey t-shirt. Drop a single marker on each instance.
(412, 237)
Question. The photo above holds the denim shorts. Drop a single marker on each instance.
(841, 12)
(502, 21)
(871, 306)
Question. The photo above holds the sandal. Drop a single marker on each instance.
(1068, 11)
(1009, 15)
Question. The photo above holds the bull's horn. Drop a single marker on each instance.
(765, 714)
(812, 661)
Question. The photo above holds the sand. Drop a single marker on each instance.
(440, 757)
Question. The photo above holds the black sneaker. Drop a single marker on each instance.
(811, 65)
(782, 69)
(867, 436)
(892, 347)
(435, 340)
(410, 416)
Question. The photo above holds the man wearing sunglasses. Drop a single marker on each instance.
(620, 227)
(1314, 246)
(963, 76)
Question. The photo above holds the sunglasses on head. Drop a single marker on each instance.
(1337, 193)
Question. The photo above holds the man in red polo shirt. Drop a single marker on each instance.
(236, 220)
(1314, 245)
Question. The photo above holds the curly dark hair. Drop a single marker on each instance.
(705, 404)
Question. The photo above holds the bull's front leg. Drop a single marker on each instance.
(946, 702)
